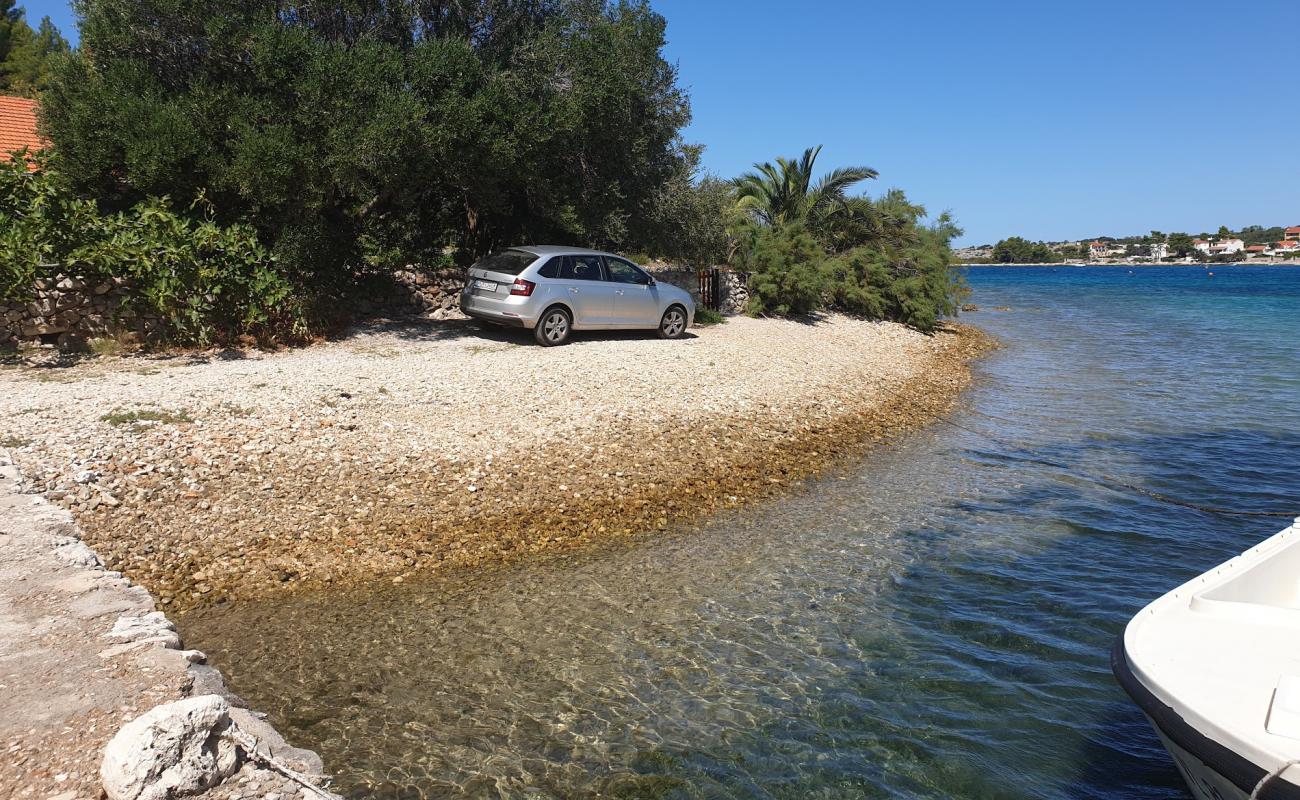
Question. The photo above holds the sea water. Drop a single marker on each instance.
(932, 622)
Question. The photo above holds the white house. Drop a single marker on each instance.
(1228, 246)
(1209, 246)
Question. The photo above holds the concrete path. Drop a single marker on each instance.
(82, 651)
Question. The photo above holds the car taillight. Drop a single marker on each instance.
(522, 287)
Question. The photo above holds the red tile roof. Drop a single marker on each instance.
(18, 126)
(1293, 229)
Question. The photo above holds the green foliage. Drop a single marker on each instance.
(208, 282)
(1180, 244)
(1021, 251)
(785, 271)
(1257, 234)
(912, 283)
(784, 194)
(690, 221)
(809, 248)
(707, 316)
(363, 136)
(27, 56)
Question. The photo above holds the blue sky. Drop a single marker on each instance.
(1045, 119)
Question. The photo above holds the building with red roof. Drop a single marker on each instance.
(1292, 234)
(18, 127)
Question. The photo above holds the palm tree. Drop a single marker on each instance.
(783, 193)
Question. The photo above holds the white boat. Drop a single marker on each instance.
(1215, 667)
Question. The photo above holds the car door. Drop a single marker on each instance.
(582, 283)
(636, 303)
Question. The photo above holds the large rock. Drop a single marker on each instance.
(174, 750)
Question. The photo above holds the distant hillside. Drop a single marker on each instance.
(1018, 250)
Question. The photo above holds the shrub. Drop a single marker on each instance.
(914, 284)
(206, 281)
(899, 270)
(785, 271)
(707, 316)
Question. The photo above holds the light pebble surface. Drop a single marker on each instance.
(408, 446)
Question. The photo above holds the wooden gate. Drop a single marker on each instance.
(711, 288)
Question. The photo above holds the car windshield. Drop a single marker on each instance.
(508, 262)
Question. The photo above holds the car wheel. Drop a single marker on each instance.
(553, 327)
(673, 325)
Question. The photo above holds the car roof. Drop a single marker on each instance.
(559, 250)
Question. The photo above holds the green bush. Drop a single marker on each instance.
(207, 282)
(914, 284)
(366, 136)
(707, 316)
(786, 277)
(904, 278)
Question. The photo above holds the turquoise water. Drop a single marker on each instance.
(934, 622)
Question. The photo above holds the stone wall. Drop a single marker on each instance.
(734, 290)
(68, 311)
(435, 293)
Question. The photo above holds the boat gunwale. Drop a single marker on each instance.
(1234, 767)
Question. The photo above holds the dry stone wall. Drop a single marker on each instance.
(68, 311)
(435, 293)
(733, 291)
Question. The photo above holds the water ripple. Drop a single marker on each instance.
(935, 625)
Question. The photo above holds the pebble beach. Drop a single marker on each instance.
(403, 448)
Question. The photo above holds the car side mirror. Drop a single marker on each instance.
(649, 281)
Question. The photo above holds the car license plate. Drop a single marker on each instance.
(487, 286)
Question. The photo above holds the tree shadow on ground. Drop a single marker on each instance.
(423, 329)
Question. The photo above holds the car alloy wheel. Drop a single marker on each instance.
(553, 328)
(673, 324)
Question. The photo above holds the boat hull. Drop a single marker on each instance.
(1201, 779)
(1211, 770)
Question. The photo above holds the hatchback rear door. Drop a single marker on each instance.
(495, 274)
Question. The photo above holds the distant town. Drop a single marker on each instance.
(1253, 244)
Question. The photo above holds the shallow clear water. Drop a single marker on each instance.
(934, 622)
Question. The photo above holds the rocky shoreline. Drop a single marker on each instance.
(404, 449)
(86, 659)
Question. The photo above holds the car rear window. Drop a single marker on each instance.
(508, 262)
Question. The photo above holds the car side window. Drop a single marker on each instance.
(621, 271)
(581, 268)
(552, 268)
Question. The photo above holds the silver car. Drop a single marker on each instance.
(556, 290)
